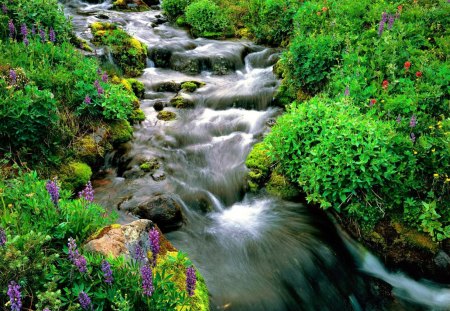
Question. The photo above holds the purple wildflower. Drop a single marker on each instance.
(139, 254)
(12, 29)
(383, 21)
(5, 9)
(42, 35)
(105, 77)
(81, 263)
(147, 280)
(14, 296)
(26, 42)
(413, 137)
(53, 190)
(52, 35)
(399, 119)
(13, 76)
(73, 252)
(87, 193)
(347, 91)
(99, 71)
(2, 237)
(85, 301)
(33, 30)
(191, 280)
(100, 90)
(413, 121)
(78, 260)
(107, 272)
(153, 236)
(87, 100)
(391, 21)
(24, 30)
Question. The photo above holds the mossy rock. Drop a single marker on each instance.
(166, 115)
(137, 116)
(120, 132)
(414, 238)
(191, 86)
(75, 175)
(180, 102)
(88, 150)
(130, 6)
(175, 264)
(150, 166)
(98, 26)
(259, 164)
(137, 87)
(279, 186)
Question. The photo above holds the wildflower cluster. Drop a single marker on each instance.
(53, 190)
(14, 296)
(107, 272)
(24, 32)
(191, 280)
(75, 257)
(2, 237)
(153, 236)
(147, 280)
(85, 301)
(87, 193)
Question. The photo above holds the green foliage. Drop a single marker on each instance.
(138, 88)
(189, 86)
(174, 8)
(280, 186)
(75, 175)
(120, 132)
(259, 163)
(207, 19)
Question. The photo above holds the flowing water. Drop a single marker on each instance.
(256, 252)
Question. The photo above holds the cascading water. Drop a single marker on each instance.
(255, 252)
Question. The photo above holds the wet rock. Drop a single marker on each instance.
(160, 56)
(169, 86)
(166, 115)
(187, 64)
(159, 175)
(159, 106)
(155, 7)
(134, 173)
(161, 209)
(181, 102)
(442, 260)
(150, 165)
(102, 16)
(151, 2)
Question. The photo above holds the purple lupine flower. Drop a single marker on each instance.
(347, 91)
(391, 21)
(96, 84)
(73, 252)
(139, 254)
(77, 259)
(14, 296)
(12, 29)
(399, 119)
(412, 137)
(24, 30)
(153, 236)
(107, 272)
(383, 21)
(191, 280)
(13, 76)
(42, 35)
(87, 193)
(2, 237)
(85, 301)
(100, 90)
(147, 280)
(33, 30)
(81, 263)
(52, 35)
(26, 42)
(87, 100)
(53, 190)
(105, 77)
(5, 9)
(413, 121)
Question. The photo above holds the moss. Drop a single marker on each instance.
(98, 26)
(75, 175)
(102, 231)
(181, 21)
(137, 87)
(120, 132)
(189, 86)
(88, 150)
(150, 166)
(137, 116)
(243, 33)
(414, 238)
(166, 115)
(259, 164)
(279, 186)
(180, 102)
(175, 264)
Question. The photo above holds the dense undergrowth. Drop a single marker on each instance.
(368, 130)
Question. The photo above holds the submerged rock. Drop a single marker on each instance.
(159, 106)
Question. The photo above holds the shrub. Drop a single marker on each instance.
(207, 19)
(174, 8)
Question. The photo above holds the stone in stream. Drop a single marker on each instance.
(181, 102)
(162, 209)
(168, 86)
(159, 106)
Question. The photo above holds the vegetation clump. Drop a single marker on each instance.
(166, 115)
(120, 132)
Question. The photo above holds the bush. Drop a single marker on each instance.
(174, 8)
(207, 19)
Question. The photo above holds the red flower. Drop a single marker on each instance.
(400, 8)
(419, 74)
(324, 9)
(385, 84)
(372, 102)
(407, 65)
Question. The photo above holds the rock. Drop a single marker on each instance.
(102, 16)
(151, 2)
(161, 209)
(181, 102)
(134, 173)
(158, 106)
(159, 175)
(166, 115)
(120, 132)
(442, 260)
(170, 86)
(160, 56)
(150, 165)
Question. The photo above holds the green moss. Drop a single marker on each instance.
(137, 87)
(149, 166)
(137, 116)
(259, 164)
(75, 175)
(189, 86)
(88, 150)
(279, 186)
(181, 21)
(166, 115)
(180, 102)
(414, 238)
(120, 132)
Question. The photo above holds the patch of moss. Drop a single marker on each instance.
(149, 166)
(102, 231)
(414, 238)
(123, 5)
(137, 116)
(180, 102)
(181, 21)
(189, 86)
(120, 132)
(259, 164)
(75, 175)
(88, 150)
(166, 115)
(279, 186)
(137, 87)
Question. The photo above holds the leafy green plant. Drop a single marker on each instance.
(207, 19)
(174, 8)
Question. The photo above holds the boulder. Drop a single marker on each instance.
(164, 210)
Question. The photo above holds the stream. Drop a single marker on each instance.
(256, 252)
